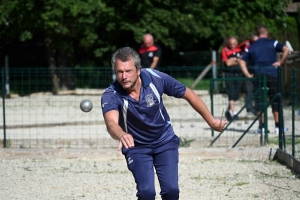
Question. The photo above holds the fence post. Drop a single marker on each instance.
(214, 68)
(293, 99)
(3, 107)
(265, 103)
(212, 101)
(7, 92)
(280, 111)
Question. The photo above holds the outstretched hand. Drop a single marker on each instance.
(219, 125)
(126, 140)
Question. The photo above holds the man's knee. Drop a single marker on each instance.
(146, 193)
(170, 193)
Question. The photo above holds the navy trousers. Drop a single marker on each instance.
(164, 158)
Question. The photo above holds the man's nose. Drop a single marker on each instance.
(124, 75)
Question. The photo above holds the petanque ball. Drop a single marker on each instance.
(86, 105)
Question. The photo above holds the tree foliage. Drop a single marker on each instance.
(97, 27)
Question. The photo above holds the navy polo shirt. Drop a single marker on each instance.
(263, 53)
(147, 120)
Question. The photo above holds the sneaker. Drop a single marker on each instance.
(235, 117)
(260, 131)
(228, 115)
(276, 131)
(250, 115)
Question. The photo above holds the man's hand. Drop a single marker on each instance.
(219, 125)
(249, 75)
(276, 64)
(126, 140)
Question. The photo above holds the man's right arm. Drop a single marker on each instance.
(111, 120)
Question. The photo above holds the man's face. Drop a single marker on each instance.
(148, 42)
(127, 73)
(233, 43)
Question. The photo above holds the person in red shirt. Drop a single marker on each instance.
(230, 56)
(149, 52)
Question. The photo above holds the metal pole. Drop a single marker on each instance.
(266, 110)
(212, 102)
(7, 77)
(3, 107)
(214, 68)
(293, 109)
(281, 124)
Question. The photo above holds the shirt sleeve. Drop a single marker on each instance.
(109, 101)
(224, 56)
(278, 46)
(172, 87)
(168, 85)
(244, 45)
(246, 55)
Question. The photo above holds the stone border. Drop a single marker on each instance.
(288, 160)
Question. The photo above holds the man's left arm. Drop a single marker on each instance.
(196, 102)
(244, 68)
(285, 52)
(154, 62)
(156, 57)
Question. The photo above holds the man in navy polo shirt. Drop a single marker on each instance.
(263, 54)
(136, 116)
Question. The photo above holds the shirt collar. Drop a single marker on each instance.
(145, 79)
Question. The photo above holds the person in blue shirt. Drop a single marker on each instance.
(135, 115)
(263, 54)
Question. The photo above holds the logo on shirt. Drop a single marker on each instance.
(150, 54)
(104, 104)
(149, 99)
(129, 161)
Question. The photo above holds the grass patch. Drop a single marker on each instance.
(204, 84)
(248, 161)
(241, 183)
(185, 143)
(288, 141)
(197, 177)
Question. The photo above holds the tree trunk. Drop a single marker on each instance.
(52, 66)
(67, 80)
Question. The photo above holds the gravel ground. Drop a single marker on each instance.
(102, 174)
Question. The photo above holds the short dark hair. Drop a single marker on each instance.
(124, 54)
(261, 30)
